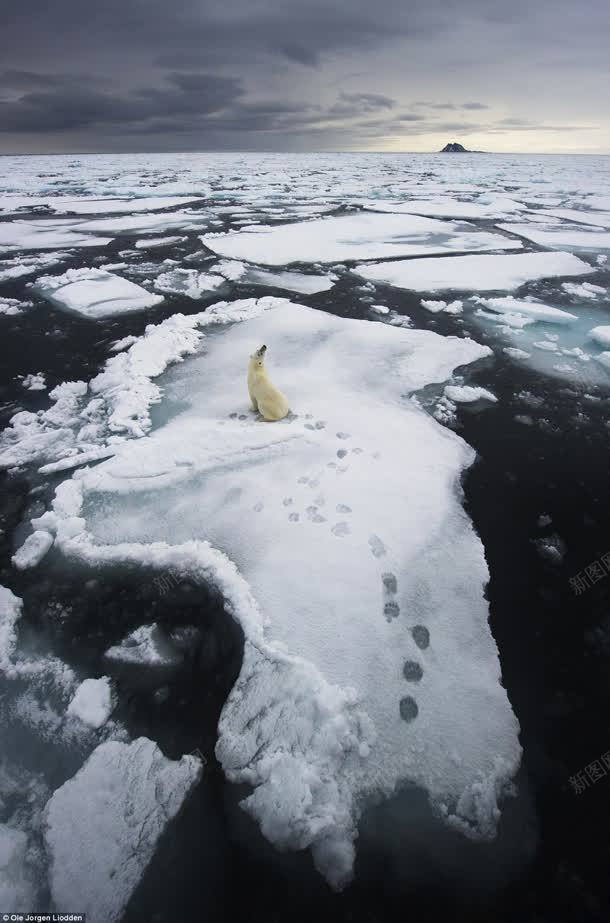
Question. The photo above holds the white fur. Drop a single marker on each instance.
(265, 397)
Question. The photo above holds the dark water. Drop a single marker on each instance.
(551, 858)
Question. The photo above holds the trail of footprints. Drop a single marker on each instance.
(412, 671)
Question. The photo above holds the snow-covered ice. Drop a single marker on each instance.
(94, 293)
(103, 825)
(488, 272)
(438, 307)
(522, 311)
(353, 237)
(92, 702)
(145, 646)
(310, 545)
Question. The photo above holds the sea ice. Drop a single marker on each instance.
(560, 236)
(437, 307)
(465, 394)
(152, 243)
(93, 702)
(146, 646)
(188, 282)
(474, 272)
(44, 235)
(19, 266)
(583, 290)
(601, 335)
(94, 293)
(35, 382)
(33, 550)
(333, 537)
(526, 311)
(102, 826)
(353, 237)
(446, 207)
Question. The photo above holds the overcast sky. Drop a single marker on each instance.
(292, 75)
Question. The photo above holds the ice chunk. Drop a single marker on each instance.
(352, 237)
(447, 207)
(145, 224)
(93, 702)
(33, 550)
(87, 205)
(35, 382)
(465, 394)
(41, 235)
(352, 506)
(531, 311)
(516, 353)
(188, 282)
(94, 293)
(27, 265)
(300, 282)
(474, 272)
(10, 306)
(583, 290)
(153, 242)
(379, 308)
(146, 646)
(560, 236)
(103, 825)
(601, 335)
(436, 307)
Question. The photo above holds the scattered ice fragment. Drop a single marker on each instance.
(93, 702)
(531, 311)
(552, 548)
(516, 353)
(94, 293)
(146, 646)
(152, 243)
(465, 394)
(583, 289)
(34, 382)
(33, 550)
(379, 309)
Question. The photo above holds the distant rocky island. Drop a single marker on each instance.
(454, 148)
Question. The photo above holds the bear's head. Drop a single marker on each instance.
(258, 358)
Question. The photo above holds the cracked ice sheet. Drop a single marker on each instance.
(353, 562)
(353, 237)
(487, 272)
(447, 207)
(102, 826)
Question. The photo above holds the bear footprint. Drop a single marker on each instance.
(313, 515)
(376, 545)
(391, 609)
(341, 529)
(293, 517)
(408, 709)
(421, 636)
(287, 501)
(412, 671)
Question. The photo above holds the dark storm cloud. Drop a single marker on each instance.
(132, 67)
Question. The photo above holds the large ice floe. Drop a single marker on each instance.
(103, 825)
(94, 293)
(45, 235)
(489, 272)
(354, 237)
(338, 540)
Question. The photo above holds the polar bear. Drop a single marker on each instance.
(265, 397)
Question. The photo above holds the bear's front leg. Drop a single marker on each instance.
(253, 402)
